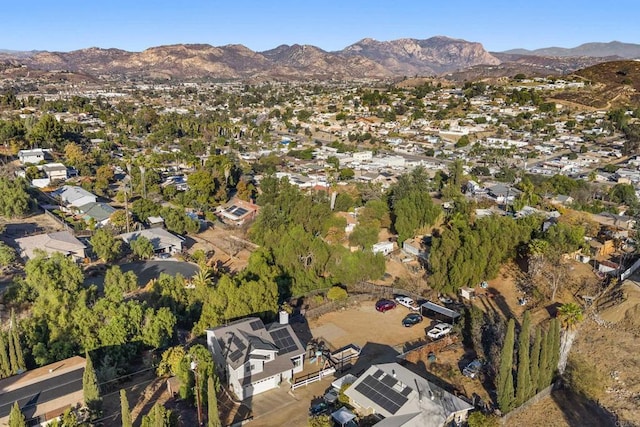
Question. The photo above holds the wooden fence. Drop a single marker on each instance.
(311, 378)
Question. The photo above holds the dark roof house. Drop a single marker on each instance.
(254, 358)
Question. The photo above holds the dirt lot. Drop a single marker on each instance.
(609, 342)
(230, 252)
(561, 409)
(363, 325)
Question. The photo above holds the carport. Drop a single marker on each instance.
(438, 312)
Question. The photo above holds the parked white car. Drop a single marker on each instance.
(407, 302)
(440, 330)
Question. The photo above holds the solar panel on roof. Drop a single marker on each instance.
(380, 392)
(235, 355)
(239, 211)
(255, 325)
(406, 391)
(389, 381)
(283, 341)
(238, 343)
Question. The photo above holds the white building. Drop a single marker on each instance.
(253, 358)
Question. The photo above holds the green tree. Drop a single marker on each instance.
(364, 236)
(504, 379)
(570, 315)
(320, 421)
(13, 358)
(523, 379)
(14, 337)
(543, 361)
(535, 363)
(7, 255)
(623, 193)
(117, 283)
(124, 409)
(15, 200)
(16, 417)
(555, 348)
(478, 419)
(105, 245)
(158, 416)
(142, 247)
(213, 417)
(5, 367)
(90, 389)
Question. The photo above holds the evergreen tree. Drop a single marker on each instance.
(15, 336)
(213, 417)
(124, 409)
(550, 369)
(90, 387)
(505, 373)
(555, 349)
(16, 417)
(535, 366)
(543, 362)
(523, 383)
(5, 368)
(13, 359)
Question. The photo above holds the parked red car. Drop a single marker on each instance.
(385, 305)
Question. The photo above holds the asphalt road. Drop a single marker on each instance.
(30, 396)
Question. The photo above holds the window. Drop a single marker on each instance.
(297, 362)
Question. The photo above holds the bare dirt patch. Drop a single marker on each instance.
(363, 324)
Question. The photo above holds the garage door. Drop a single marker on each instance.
(261, 386)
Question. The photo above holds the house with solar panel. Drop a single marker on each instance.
(253, 357)
(402, 398)
(237, 212)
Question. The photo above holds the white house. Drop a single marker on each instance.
(253, 358)
(34, 156)
(384, 248)
(405, 399)
(55, 171)
(75, 196)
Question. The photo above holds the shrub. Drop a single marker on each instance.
(584, 378)
(337, 293)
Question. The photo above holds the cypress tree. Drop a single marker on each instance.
(555, 349)
(5, 368)
(15, 336)
(550, 369)
(124, 409)
(535, 363)
(16, 417)
(13, 359)
(543, 362)
(213, 417)
(90, 387)
(505, 373)
(523, 383)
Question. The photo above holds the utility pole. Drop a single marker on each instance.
(194, 368)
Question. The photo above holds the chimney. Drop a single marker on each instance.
(284, 317)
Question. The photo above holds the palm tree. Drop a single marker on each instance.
(202, 278)
(570, 315)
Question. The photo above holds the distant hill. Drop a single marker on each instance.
(434, 55)
(614, 83)
(366, 59)
(597, 50)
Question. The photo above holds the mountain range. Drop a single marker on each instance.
(596, 50)
(367, 58)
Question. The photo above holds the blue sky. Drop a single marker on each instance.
(135, 25)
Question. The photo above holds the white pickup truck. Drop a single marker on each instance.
(407, 302)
